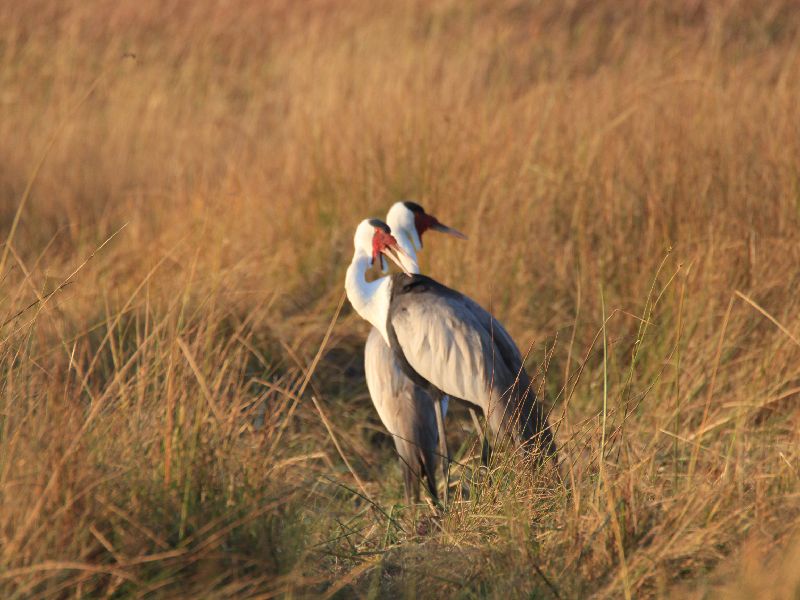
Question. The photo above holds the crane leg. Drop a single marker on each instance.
(443, 454)
(486, 450)
(410, 484)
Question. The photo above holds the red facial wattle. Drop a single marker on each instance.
(380, 241)
(423, 222)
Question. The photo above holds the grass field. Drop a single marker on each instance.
(183, 411)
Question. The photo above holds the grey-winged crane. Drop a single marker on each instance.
(415, 423)
(444, 341)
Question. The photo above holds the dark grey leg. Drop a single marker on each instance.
(443, 454)
(411, 484)
(486, 450)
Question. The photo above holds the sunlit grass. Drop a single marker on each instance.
(182, 403)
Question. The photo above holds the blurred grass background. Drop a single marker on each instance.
(157, 431)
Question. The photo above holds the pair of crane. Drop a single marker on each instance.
(429, 342)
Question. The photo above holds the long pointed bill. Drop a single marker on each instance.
(401, 258)
(445, 229)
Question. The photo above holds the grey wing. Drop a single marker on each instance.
(504, 344)
(386, 382)
(455, 344)
(405, 409)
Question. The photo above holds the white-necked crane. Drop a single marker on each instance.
(406, 410)
(445, 342)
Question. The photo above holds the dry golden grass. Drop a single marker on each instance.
(157, 432)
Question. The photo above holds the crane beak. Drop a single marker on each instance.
(401, 258)
(441, 228)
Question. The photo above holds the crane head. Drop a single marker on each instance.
(410, 219)
(374, 237)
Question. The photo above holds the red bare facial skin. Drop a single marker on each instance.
(423, 222)
(380, 241)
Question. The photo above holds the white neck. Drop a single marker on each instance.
(370, 299)
(403, 240)
(405, 243)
